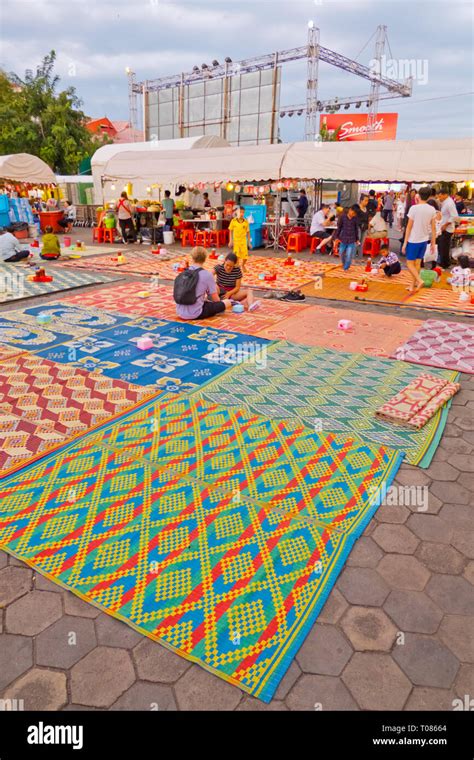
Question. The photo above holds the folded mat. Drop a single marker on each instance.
(329, 391)
(449, 345)
(217, 533)
(419, 401)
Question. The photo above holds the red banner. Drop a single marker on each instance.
(353, 126)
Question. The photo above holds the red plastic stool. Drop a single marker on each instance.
(314, 244)
(202, 238)
(296, 242)
(108, 236)
(372, 246)
(214, 238)
(187, 237)
(223, 237)
(98, 234)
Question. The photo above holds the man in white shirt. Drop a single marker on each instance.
(421, 228)
(449, 215)
(10, 248)
(319, 224)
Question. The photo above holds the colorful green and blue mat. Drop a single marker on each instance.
(217, 522)
(216, 532)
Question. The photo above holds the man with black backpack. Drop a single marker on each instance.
(194, 286)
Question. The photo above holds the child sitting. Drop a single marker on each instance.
(389, 262)
(51, 247)
(461, 274)
(228, 278)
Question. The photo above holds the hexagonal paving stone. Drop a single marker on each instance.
(456, 631)
(452, 593)
(412, 476)
(456, 446)
(451, 493)
(430, 528)
(334, 608)
(288, 681)
(16, 656)
(3, 559)
(426, 661)
(65, 642)
(445, 471)
(75, 606)
(324, 652)
(463, 540)
(413, 611)
(395, 538)
(464, 684)
(199, 690)
(368, 628)
(403, 571)
(376, 682)
(101, 677)
(39, 689)
(423, 698)
(441, 558)
(114, 633)
(146, 696)
(457, 516)
(14, 583)
(320, 693)
(392, 513)
(365, 553)
(462, 462)
(364, 586)
(44, 584)
(469, 572)
(156, 663)
(33, 613)
(250, 704)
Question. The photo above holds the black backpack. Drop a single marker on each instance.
(184, 289)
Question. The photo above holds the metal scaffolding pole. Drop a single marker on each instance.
(311, 124)
(375, 86)
(132, 101)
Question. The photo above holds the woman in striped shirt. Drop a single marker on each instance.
(229, 278)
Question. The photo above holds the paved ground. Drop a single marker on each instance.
(396, 632)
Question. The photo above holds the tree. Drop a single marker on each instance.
(35, 118)
(328, 135)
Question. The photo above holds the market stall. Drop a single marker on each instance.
(274, 169)
(22, 175)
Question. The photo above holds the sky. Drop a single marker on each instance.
(96, 40)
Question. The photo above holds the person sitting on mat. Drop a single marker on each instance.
(461, 275)
(389, 262)
(51, 246)
(229, 278)
(239, 237)
(10, 248)
(194, 286)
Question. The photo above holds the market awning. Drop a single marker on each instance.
(22, 167)
(401, 160)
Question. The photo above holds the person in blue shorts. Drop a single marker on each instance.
(420, 230)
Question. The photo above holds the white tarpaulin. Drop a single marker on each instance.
(22, 167)
(140, 154)
(391, 161)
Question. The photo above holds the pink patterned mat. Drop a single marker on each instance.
(449, 345)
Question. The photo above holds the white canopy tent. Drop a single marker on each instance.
(22, 167)
(140, 154)
(402, 161)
